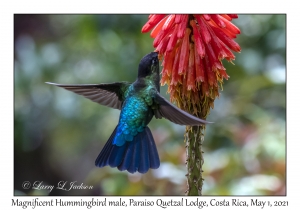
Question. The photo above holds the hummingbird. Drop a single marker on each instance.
(131, 145)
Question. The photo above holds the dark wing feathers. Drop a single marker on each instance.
(110, 94)
(174, 114)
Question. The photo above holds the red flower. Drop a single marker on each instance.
(193, 47)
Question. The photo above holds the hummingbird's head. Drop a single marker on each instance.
(149, 65)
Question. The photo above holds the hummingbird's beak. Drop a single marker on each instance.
(154, 54)
(159, 56)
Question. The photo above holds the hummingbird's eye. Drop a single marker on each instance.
(154, 61)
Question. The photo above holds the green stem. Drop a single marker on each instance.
(194, 138)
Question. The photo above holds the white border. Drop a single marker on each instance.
(8, 8)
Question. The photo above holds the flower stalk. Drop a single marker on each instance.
(194, 138)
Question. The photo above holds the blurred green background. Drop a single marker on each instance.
(58, 134)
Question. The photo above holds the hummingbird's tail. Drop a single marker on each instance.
(140, 154)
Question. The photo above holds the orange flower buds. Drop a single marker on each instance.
(193, 47)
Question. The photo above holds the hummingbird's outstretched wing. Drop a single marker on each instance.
(110, 94)
(174, 114)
